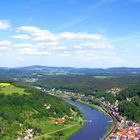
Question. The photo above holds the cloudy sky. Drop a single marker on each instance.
(77, 33)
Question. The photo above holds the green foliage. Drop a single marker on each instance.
(130, 91)
(87, 84)
(94, 101)
(131, 109)
(18, 111)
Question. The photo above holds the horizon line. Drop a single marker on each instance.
(68, 67)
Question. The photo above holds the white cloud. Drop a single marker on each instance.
(77, 47)
(72, 35)
(33, 51)
(37, 33)
(20, 45)
(45, 41)
(21, 58)
(21, 36)
(97, 45)
(5, 43)
(5, 24)
(29, 29)
(41, 44)
(5, 46)
(62, 46)
(59, 48)
(64, 54)
(42, 35)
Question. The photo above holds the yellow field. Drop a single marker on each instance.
(5, 84)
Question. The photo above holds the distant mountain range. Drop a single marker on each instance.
(47, 70)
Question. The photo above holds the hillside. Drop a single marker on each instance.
(25, 112)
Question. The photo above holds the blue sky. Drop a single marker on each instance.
(77, 33)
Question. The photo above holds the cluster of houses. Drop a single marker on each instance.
(112, 108)
(126, 131)
(68, 94)
(114, 91)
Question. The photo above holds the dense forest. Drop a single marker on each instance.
(131, 109)
(130, 102)
(87, 84)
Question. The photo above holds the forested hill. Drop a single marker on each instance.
(22, 109)
(86, 84)
(102, 86)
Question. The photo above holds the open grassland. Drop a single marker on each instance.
(10, 89)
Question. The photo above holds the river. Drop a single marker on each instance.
(95, 123)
